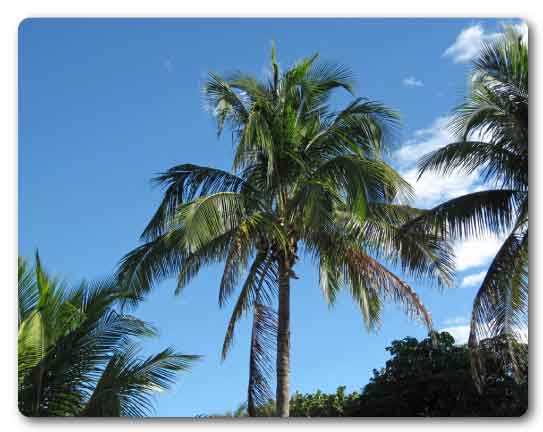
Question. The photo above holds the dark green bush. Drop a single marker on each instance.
(423, 379)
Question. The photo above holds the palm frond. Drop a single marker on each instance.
(420, 253)
(506, 61)
(184, 183)
(371, 281)
(203, 228)
(153, 261)
(263, 343)
(472, 215)
(327, 76)
(260, 287)
(128, 383)
(500, 307)
(28, 290)
(495, 163)
(228, 105)
(360, 128)
(497, 107)
(344, 264)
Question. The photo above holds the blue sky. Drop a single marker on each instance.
(106, 104)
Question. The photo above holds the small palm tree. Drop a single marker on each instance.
(493, 129)
(305, 178)
(77, 352)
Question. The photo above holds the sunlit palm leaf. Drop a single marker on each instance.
(183, 184)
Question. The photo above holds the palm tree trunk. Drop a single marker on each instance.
(283, 340)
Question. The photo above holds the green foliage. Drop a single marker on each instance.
(492, 127)
(321, 404)
(77, 351)
(431, 377)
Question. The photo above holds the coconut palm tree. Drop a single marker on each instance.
(492, 125)
(305, 178)
(78, 354)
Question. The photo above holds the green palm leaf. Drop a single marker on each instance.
(128, 383)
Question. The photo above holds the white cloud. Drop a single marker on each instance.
(460, 333)
(467, 44)
(522, 28)
(412, 82)
(473, 279)
(456, 320)
(522, 334)
(476, 252)
(469, 41)
(432, 188)
(424, 141)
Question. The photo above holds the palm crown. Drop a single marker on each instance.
(493, 128)
(305, 178)
(78, 354)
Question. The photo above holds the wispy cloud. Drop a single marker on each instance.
(412, 82)
(473, 279)
(168, 64)
(468, 43)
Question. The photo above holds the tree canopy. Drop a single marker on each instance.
(428, 378)
(492, 130)
(78, 353)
